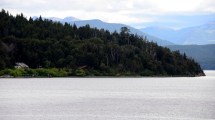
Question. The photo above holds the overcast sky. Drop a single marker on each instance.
(131, 12)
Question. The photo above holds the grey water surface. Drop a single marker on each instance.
(167, 98)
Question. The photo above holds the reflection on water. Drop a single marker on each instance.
(108, 98)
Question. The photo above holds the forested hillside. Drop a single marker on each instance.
(86, 51)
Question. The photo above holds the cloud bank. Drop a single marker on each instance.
(133, 12)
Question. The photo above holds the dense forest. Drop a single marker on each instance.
(63, 48)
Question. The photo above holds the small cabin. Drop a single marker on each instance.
(21, 65)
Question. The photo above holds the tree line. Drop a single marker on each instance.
(85, 50)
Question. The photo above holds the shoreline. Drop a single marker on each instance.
(205, 73)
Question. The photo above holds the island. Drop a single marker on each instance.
(44, 48)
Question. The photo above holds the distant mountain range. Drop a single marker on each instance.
(109, 26)
(200, 35)
(180, 21)
(203, 54)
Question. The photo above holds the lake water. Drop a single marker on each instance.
(179, 98)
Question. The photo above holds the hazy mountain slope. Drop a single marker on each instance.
(204, 34)
(69, 19)
(201, 35)
(203, 54)
(116, 27)
(181, 21)
(161, 32)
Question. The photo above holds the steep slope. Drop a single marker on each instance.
(203, 54)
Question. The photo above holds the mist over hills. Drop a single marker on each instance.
(181, 21)
(200, 35)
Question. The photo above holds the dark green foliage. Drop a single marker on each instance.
(85, 51)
